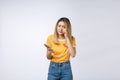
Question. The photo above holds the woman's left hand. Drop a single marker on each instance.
(65, 33)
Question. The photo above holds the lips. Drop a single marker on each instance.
(60, 32)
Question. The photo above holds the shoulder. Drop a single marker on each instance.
(50, 37)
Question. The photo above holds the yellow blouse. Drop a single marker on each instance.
(61, 52)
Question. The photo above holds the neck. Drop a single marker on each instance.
(61, 37)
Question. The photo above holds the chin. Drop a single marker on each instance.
(60, 33)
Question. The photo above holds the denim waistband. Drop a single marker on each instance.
(60, 64)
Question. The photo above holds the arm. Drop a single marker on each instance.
(49, 52)
(71, 49)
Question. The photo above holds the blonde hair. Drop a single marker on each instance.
(69, 30)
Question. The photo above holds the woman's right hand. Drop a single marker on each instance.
(49, 53)
(50, 50)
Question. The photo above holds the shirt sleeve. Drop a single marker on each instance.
(48, 41)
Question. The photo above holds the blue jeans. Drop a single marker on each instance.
(60, 71)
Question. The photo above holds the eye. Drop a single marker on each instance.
(59, 26)
(64, 27)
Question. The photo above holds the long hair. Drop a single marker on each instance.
(69, 30)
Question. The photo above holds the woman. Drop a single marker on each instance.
(60, 46)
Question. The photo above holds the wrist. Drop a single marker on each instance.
(67, 38)
(49, 53)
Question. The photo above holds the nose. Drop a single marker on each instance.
(61, 28)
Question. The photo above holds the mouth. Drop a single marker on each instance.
(60, 32)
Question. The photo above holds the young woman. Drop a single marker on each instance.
(60, 46)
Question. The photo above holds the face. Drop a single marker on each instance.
(61, 27)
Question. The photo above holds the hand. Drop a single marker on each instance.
(49, 53)
(65, 33)
(50, 50)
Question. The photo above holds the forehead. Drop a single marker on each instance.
(62, 23)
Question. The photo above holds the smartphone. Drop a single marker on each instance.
(46, 46)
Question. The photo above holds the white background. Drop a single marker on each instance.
(25, 25)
